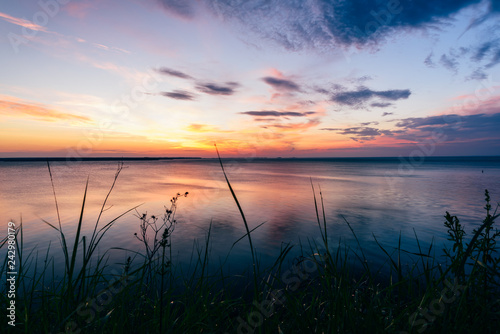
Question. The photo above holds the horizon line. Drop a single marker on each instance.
(72, 159)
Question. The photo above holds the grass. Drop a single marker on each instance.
(316, 292)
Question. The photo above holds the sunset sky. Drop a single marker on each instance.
(289, 78)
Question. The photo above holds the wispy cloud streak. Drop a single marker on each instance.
(23, 23)
(179, 95)
(274, 113)
(20, 109)
(363, 94)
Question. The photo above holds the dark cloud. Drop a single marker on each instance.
(182, 8)
(281, 84)
(428, 61)
(482, 50)
(493, 10)
(217, 89)
(368, 123)
(452, 127)
(449, 62)
(418, 122)
(387, 114)
(363, 78)
(325, 23)
(334, 88)
(174, 73)
(451, 134)
(495, 59)
(364, 133)
(227, 88)
(273, 113)
(179, 95)
(478, 74)
(356, 80)
(363, 94)
(381, 104)
(306, 103)
(485, 55)
(322, 91)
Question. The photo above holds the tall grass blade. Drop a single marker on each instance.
(75, 246)
(61, 234)
(252, 250)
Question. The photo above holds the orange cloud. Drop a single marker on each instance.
(16, 108)
(22, 22)
(203, 128)
(295, 126)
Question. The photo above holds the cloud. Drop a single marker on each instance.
(363, 94)
(448, 62)
(273, 113)
(381, 104)
(428, 61)
(78, 9)
(482, 101)
(211, 88)
(181, 8)
(482, 53)
(495, 59)
(486, 55)
(104, 47)
(195, 127)
(14, 107)
(478, 74)
(173, 73)
(452, 127)
(418, 122)
(387, 114)
(482, 50)
(363, 133)
(22, 22)
(324, 24)
(179, 95)
(294, 126)
(322, 91)
(362, 79)
(493, 10)
(281, 84)
(280, 119)
(218, 89)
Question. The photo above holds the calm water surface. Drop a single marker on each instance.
(380, 197)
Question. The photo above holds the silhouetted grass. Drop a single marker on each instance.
(315, 292)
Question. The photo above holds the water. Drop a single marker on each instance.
(381, 197)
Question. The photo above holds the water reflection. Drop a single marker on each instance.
(275, 192)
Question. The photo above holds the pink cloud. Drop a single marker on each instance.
(480, 103)
(78, 9)
(22, 22)
(275, 73)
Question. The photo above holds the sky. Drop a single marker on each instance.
(260, 78)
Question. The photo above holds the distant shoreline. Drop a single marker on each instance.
(401, 159)
(94, 158)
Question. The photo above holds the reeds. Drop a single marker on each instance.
(328, 288)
